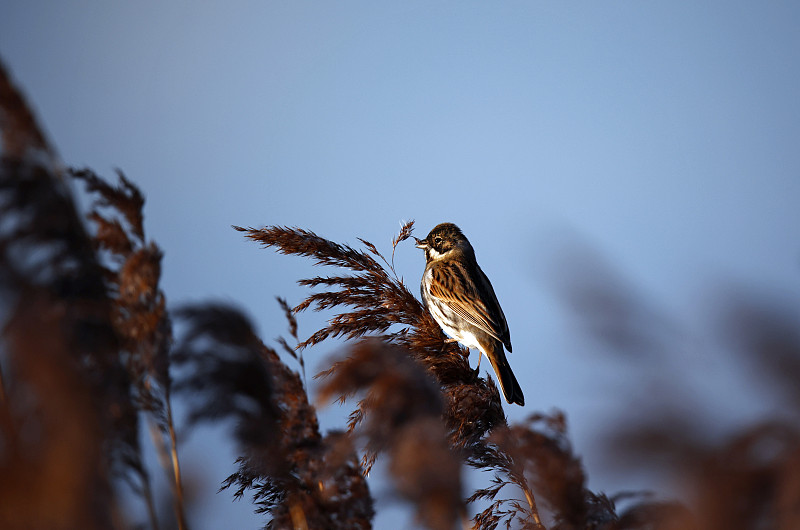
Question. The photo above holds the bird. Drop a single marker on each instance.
(460, 298)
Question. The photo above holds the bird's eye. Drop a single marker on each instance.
(437, 239)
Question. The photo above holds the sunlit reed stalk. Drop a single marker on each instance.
(3, 396)
(176, 469)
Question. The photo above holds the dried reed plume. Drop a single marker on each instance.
(372, 300)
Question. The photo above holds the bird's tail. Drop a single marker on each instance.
(508, 383)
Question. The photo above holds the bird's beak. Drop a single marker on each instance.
(421, 243)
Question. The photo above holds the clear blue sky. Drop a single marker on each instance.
(666, 136)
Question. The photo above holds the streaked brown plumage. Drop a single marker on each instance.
(461, 299)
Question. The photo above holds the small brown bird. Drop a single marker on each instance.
(460, 298)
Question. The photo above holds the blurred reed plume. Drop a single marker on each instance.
(131, 271)
(299, 477)
(67, 423)
(743, 478)
(91, 357)
(400, 414)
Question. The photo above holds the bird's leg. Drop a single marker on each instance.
(477, 369)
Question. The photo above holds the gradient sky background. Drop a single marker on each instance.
(663, 137)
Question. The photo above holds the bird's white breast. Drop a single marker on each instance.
(446, 317)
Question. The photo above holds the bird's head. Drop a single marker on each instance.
(443, 239)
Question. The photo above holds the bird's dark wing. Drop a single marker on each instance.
(466, 290)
